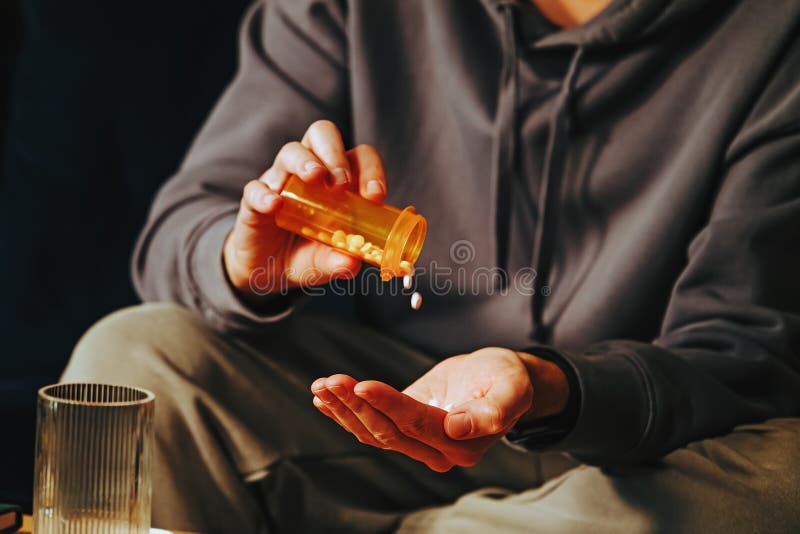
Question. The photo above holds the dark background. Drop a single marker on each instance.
(99, 100)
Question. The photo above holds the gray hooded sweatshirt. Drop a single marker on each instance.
(624, 195)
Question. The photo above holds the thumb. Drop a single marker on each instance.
(476, 418)
(492, 414)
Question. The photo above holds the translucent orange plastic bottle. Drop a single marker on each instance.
(381, 235)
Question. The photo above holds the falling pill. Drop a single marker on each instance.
(407, 281)
(416, 300)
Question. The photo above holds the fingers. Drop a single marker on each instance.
(319, 405)
(369, 425)
(322, 153)
(325, 140)
(368, 166)
(422, 422)
(328, 403)
(411, 416)
(293, 158)
(258, 202)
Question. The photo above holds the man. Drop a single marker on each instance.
(640, 157)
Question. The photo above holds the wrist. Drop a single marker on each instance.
(551, 388)
(238, 280)
(242, 281)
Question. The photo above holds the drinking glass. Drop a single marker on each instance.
(94, 451)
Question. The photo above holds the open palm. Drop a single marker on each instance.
(492, 384)
(486, 392)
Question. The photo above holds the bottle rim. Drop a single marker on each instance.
(404, 242)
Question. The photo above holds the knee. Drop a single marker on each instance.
(777, 487)
(130, 345)
(748, 477)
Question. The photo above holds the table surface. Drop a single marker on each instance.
(27, 527)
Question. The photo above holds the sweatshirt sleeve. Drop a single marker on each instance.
(292, 71)
(729, 348)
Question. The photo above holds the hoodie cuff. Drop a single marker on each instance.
(614, 407)
(217, 299)
(545, 431)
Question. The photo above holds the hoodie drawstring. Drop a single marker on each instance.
(507, 141)
(506, 167)
(549, 190)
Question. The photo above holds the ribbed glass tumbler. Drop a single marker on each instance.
(94, 450)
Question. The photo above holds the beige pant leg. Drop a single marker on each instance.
(745, 482)
(239, 446)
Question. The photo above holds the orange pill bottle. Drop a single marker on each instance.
(379, 234)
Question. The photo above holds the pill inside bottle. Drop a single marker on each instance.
(379, 234)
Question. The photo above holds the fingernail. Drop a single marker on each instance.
(311, 166)
(459, 425)
(317, 384)
(374, 187)
(366, 395)
(340, 176)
